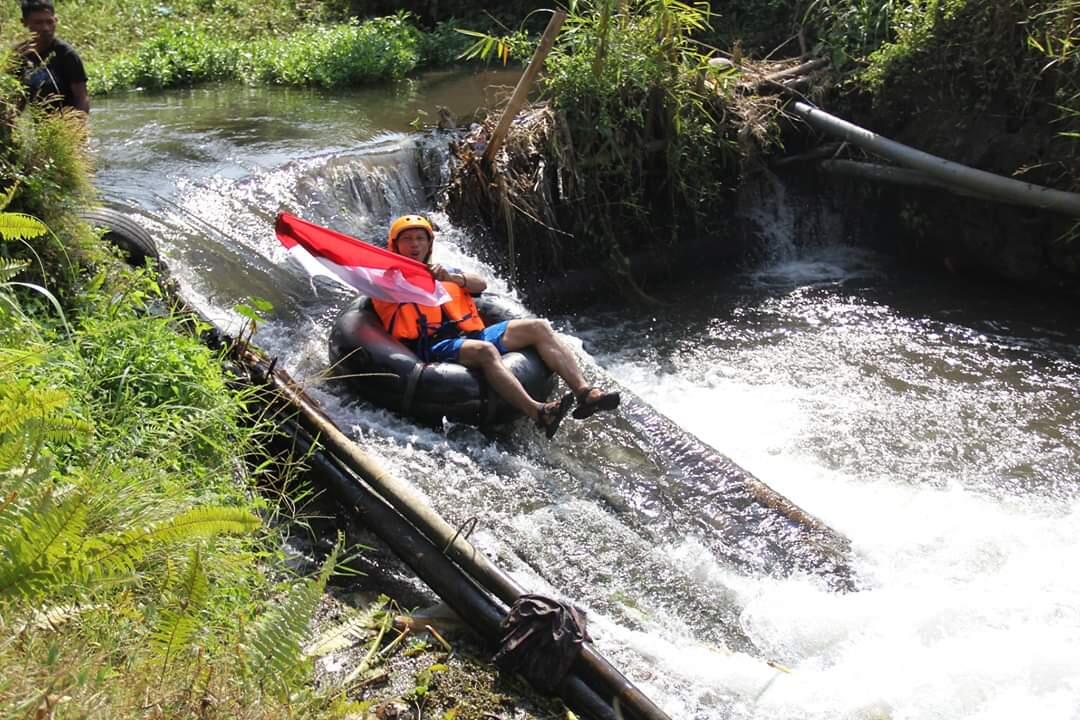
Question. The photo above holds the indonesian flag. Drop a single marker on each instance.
(379, 273)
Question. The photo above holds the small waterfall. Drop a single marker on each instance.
(766, 208)
(804, 236)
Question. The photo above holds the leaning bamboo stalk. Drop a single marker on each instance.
(521, 90)
(953, 174)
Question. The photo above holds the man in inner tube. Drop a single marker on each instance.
(454, 332)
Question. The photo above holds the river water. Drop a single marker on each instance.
(935, 424)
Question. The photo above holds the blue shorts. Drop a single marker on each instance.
(448, 350)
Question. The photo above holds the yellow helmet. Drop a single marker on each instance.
(408, 222)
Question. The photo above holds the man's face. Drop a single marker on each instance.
(414, 243)
(42, 23)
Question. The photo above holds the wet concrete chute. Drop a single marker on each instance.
(889, 433)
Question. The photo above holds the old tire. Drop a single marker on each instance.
(120, 230)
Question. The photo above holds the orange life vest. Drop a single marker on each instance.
(403, 320)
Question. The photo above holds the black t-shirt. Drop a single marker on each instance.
(49, 77)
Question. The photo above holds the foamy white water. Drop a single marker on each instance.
(968, 607)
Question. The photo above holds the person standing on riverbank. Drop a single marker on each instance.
(51, 69)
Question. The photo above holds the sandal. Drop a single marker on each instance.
(586, 407)
(552, 414)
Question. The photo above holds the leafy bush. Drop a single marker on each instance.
(45, 171)
(630, 87)
(378, 49)
(851, 29)
(341, 55)
(133, 561)
(444, 45)
(179, 55)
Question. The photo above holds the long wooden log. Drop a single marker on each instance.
(954, 174)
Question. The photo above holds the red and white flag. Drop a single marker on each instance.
(382, 274)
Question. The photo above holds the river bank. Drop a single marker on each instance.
(667, 152)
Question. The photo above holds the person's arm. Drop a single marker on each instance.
(80, 96)
(75, 75)
(472, 283)
(469, 281)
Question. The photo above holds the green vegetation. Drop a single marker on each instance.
(149, 45)
(379, 49)
(44, 171)
(138, 572)
(1006, 59)
(635, 81)
(136, 567)
(644, 144)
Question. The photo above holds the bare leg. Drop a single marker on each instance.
(538, 333)
(485, 357)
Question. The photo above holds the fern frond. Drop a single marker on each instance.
(178, 625)
(22, 402)
(19, 358)
(202, 522)
(19, 226)
(275, 654)
(355, 629)
(30, 418)
(44, 551)
(11, 268)
(7, 197)
(110, 554)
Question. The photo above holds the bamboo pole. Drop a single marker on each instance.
(600, 674)
(992, 186)
(468, 600)
(521, 91)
